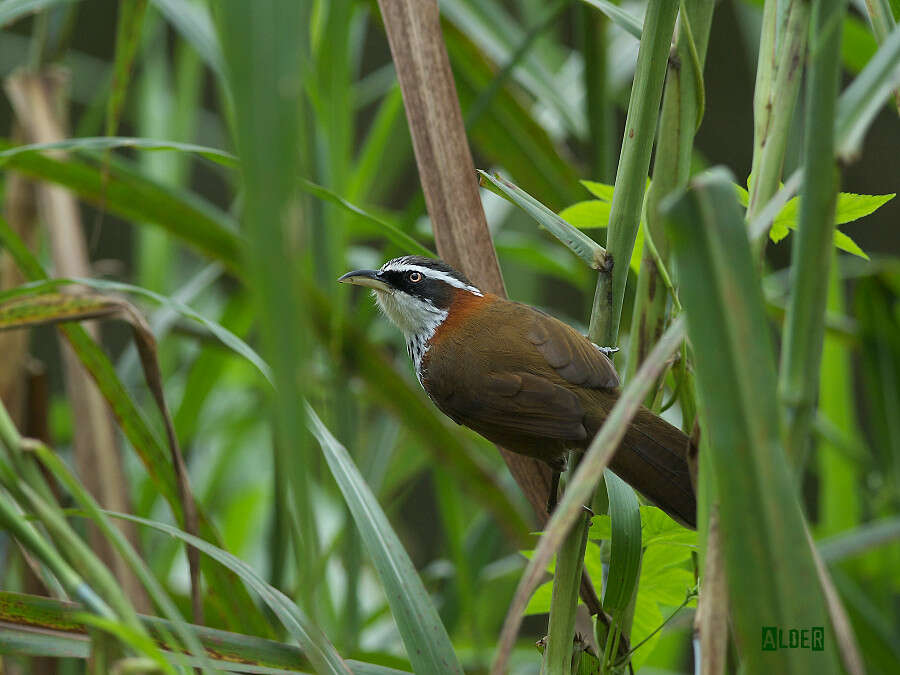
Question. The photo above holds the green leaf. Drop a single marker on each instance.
(139, 199)
(658, 528)
(13, 10)
(225, 336)
(625, 553)
(852, 206)
(845, 243)
(540, 600)
(579, 243)
(601, 191)
(587, 215)
(427, 644)
(618, 16)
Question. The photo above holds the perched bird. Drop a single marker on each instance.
(521, 378)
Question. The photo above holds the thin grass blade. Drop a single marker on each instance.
(427, 644)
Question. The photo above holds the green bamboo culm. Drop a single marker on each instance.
(634, 162)
(682, 110)
(801, 352)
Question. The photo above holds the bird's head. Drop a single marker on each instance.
(415, 293)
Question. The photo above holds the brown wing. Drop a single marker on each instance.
(517, 402)
(517, 379)
(574, 357)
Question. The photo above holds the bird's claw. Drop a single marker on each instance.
(607, 350)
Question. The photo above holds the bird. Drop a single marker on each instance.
(522, 378)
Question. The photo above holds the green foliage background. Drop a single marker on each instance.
(236, 162)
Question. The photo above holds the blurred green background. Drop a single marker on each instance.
(523, 83)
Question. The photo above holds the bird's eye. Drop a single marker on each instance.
(415, 277)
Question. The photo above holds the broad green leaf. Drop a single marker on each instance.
(427, 644)
(849, 207)
(625, 551)
(594, 213)
(540, 600)
(845, 243)
(656, 528)
(587, 215)
(852, 206)
(602, 191)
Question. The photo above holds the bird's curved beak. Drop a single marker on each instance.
(368, 278)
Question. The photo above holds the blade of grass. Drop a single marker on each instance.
(618, 16)
(866, 95)
(427, 644)
(60, 633)
(574, 239)
(128, 32)
(13, 10)
(241, 610)
(859, 539)
(266, 46)
(157, 593)
(17, 155)
(139, 199)
(39, 101)
(320, 652)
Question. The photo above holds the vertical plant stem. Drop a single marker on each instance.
(564, 599)
(680, 117)
(637, 144)
(839, 494)
(600, 110)
(811, 255)
(777, 87)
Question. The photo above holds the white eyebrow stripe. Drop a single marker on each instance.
(432, 274)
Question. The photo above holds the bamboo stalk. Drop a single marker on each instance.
(679, 120)
(811, 254)
(775, 100)
(637, 144)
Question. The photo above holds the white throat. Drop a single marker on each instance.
(418, 319)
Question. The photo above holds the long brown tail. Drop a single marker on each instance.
(653, 460)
